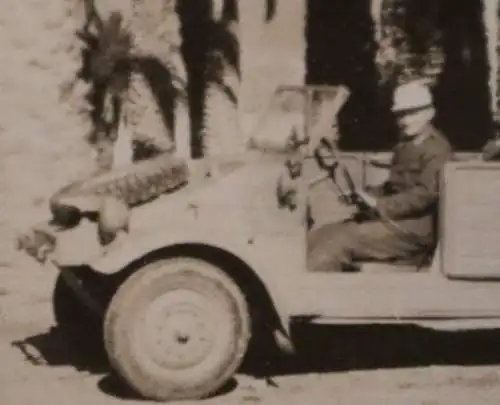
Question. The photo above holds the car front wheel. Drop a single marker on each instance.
(177, 329)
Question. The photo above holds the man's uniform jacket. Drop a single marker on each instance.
(412, 191)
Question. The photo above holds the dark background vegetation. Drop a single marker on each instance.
(341, 49)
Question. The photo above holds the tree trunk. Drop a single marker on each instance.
(490, 21)
(195, 19)
(221, 132)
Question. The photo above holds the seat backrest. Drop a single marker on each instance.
(470, 220)
(376, 165)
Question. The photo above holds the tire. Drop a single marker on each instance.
(203, 355)
(74, 319)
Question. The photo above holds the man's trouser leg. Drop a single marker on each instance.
(334, 246)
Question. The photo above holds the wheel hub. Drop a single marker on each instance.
(179, 330)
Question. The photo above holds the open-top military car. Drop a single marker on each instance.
(186, 265)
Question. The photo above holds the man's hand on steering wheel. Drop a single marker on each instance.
(362, 200)
(326, 159)
(366, 200)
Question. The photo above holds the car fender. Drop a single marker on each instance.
(119, 256)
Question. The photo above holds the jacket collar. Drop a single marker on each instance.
(419, 138)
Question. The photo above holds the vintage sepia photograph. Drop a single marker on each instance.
(250, 202)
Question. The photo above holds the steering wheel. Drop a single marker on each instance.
(326, 158)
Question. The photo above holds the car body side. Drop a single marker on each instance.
(235, 216)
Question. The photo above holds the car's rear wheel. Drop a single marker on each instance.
(177, 329)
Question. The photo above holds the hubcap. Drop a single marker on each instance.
(180, 329)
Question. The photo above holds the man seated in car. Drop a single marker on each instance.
(406, 203)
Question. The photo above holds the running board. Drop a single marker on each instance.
(436, 323)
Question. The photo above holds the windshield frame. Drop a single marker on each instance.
(308, 92)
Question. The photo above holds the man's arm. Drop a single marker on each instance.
(423, 195)
(379, 190)
(384, 188)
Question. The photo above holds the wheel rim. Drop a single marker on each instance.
(182, 331)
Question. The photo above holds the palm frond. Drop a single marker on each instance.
(165, 86)
(225, 89)
(106, 66)
(113, 48)
(225, 44)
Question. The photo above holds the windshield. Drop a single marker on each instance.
(284, 114)
(308, 111)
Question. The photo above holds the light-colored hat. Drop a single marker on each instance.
(411, 95)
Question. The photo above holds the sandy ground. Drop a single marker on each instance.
(336, 365)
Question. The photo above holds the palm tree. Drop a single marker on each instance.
(211, 48)
(132, 61)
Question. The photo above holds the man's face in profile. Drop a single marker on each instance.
(412, 122)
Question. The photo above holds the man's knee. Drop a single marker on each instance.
(329, 233)
(329, 247)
